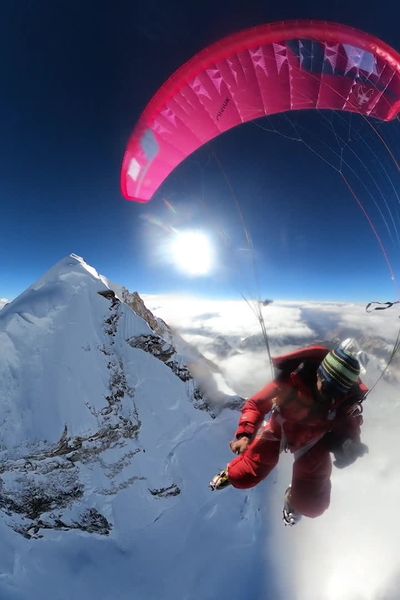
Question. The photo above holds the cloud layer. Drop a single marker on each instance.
(351, 552)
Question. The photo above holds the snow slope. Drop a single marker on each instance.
(107, 444)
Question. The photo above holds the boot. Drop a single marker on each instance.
(289, 515)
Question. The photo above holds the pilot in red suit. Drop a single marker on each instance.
(312, 408)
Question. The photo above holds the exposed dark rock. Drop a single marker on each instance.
(109, 294)
(162, 350)
(172, 490)
(134, 301)
(65, 445)
(32, 495)
(93, 522)
(90, 521)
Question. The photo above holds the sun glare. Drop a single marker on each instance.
(192, 252)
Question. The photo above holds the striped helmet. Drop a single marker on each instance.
(339, 370)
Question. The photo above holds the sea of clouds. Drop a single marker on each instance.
(350, 552)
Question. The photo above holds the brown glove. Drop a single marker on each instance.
(239, 446)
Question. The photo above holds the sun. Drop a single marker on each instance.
(192, 252)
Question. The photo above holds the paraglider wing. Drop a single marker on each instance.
(262, 71)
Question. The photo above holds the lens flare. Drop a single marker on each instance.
(192, 252)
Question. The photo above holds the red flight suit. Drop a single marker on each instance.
(297, 422)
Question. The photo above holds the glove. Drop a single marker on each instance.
(239, 446)
(348, 452)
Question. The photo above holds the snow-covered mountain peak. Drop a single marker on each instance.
(94, 400)
(72, 271)
(71, 264)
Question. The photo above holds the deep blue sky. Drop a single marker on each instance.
(75, 78)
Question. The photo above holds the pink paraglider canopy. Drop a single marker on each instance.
(262, 71)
